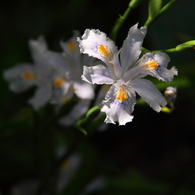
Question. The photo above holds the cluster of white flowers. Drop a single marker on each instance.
(58, 76)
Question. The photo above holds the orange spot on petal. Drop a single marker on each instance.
(71, 45)
(28, 76)
(121, 94)
(151, 65)
(105, 52)
(59, 82)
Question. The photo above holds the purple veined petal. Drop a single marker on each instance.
(162, 73)
(156, 66)
(96, 43)
(149, 93)
(83, 90)
(118, 111)
(97, 75)
(131, 48)
(41, 97)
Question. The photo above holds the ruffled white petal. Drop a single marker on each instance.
(95, 43)
(161, 73)
(98, 75)
(18, 83)
(131, 48)
(83, 90)
(76, 112)
(149, 93)
(117, 111)
(41, 97)
(90, 42)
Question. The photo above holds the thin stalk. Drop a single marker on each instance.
(119, 22)
(165, 8)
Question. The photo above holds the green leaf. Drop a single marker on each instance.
(154, 8)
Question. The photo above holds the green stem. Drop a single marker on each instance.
(166, 50)
(118, 23)
(165, 8)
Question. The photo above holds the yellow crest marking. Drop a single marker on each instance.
(59, 82)
(71, 46)
(105, 52)
(151, 65)
(28, 76)
(121, 94)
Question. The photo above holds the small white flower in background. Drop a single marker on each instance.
(44, 72)
(68, 67)
(170, 95)
(68, 168)
(66, 80)
(23, 76)
(125, 71)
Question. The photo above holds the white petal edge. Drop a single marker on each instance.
(84, 90)
(97, 75)
(131, 48)
(149, 93)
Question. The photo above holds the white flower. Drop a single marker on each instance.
(124, 71)
(44, 72)
(68, 67)
(38, 73)
(20, 77)
(66, 79)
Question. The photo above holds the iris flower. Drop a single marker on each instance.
(24, 75)
(124, 71)
(66, 80)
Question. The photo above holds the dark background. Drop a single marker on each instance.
(159, 146)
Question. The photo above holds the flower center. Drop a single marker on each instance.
(121, 94)
(28, 76)
(105, 52)
(151, 65)
(59, 82)
(71, 46)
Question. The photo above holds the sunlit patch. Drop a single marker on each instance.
(151, 65)
(28, 76)
(121, 94)
(71, 46)
(105, 52)
(59, 82)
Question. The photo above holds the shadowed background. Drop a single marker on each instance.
(158, 147)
